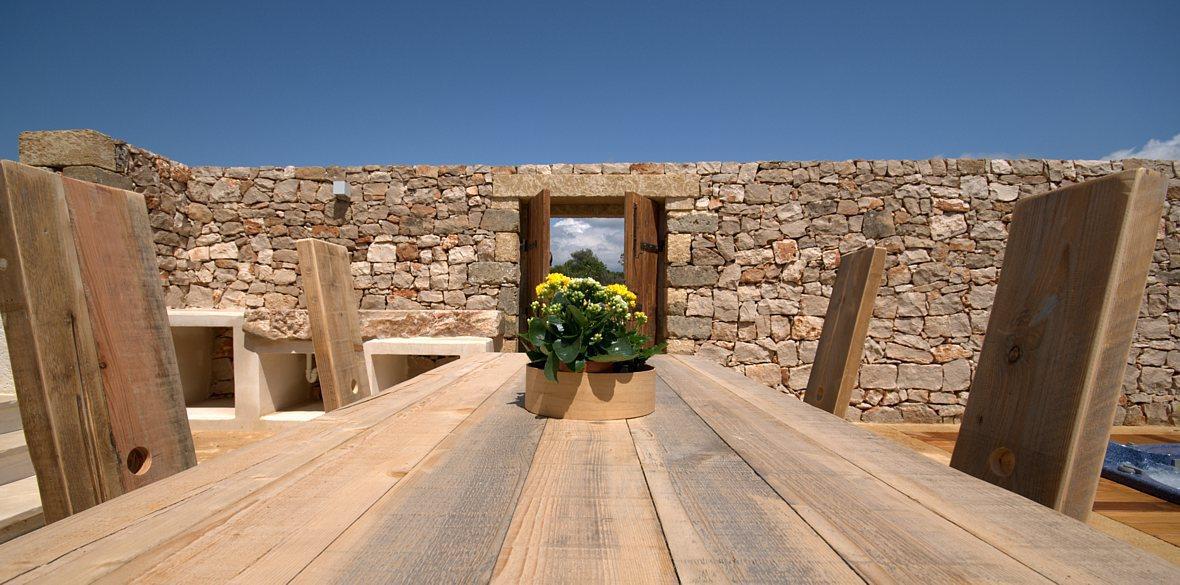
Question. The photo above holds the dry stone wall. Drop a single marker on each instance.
(751, 257)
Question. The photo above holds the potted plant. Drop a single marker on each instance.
(587, 359)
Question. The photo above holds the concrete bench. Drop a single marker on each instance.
(387, 359)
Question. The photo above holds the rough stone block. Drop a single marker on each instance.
(66, 148)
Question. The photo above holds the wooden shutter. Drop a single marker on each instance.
(335, 322)
(642, 257)
(1051, 369)
(842, 343)
(534, 250)
(92, 357)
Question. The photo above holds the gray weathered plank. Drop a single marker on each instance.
(448, 519)
(1054, 545)
(722, 522)
(881, 532)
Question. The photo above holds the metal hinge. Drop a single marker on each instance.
(526, 246)
(649, 247)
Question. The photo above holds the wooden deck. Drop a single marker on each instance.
(1127, 514)
(448, 479)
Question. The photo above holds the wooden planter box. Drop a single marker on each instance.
(591, 396)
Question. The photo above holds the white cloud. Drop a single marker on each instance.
(1153, 150)
(604, 235)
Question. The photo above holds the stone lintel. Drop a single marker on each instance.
(519, 186)
(69, 148)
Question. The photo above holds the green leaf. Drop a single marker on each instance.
(619, 350)
(551, 368)
(567, 351)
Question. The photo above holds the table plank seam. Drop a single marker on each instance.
(893, 484)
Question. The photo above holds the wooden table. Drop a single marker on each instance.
(447, 479)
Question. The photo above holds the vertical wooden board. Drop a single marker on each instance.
(54, 361)
(335, 322)
(641, 258)
(842, 342)
(881, 532)
(130, 325)
(447, 521)
(535, 255)
(1050, 372)
(722, 522)
(1052, 544)
(585, 510)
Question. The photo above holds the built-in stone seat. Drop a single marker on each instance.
(272, 349)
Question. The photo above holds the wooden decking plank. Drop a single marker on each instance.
(722, 522)
(194, 497)
(585, 513)
(1053, 544)
(299, 520)
(447, 522)
(879, 531)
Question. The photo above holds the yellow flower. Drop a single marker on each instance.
(553, 283)
(622, 291)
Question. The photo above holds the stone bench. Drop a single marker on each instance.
(388, 359)
(272, 351)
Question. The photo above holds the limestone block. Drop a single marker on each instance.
(65, 148)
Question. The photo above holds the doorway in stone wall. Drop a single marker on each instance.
(625, 234)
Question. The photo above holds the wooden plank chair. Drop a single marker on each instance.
(1051, 368)
(92, 358)
(846, 323)
(335, 322)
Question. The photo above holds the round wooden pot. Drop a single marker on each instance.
(591, 396)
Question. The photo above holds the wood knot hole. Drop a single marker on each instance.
(1002, 461)
(139, 460)
(1014, 354)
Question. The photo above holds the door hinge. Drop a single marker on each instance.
(650, 247)
(526, 246)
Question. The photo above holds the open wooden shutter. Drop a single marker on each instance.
(641, 257)
(534, 250)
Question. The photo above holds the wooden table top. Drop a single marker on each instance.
(447, 479)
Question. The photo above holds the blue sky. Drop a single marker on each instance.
(307, 83)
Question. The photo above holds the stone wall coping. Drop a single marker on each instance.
(293, 324)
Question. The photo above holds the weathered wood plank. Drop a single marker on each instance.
(879, 531)
(642, 258)
(585, 513)
(130, 326)
(55, 365)
(1050, 372)
(335, 322)
(274, 538)
(842, 342)
(1055, 545)
(722, 522)
(448, 519)
(202, 497)
(535, 255)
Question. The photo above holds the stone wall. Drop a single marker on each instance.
(751, 255)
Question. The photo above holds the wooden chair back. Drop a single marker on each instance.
(1051, 368)
(92, 358)
(335, 322)
(842, 341)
